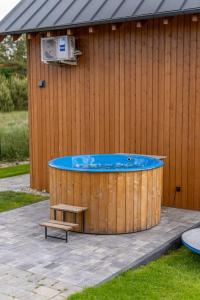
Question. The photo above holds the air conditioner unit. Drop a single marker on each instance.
(58, 49)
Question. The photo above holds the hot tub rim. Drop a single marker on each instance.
(51, 164)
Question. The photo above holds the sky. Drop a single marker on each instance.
(6, 6)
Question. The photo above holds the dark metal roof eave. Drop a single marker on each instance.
(105, 21)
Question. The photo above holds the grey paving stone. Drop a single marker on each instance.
(30, 264)
(70, 292)
(14, 183)
(49, 282)
(33, 296)
(5, 297)
(62, 287)
(59, 297)
(46, 291)
(12, 291)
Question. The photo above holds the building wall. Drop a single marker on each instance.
(134, 90)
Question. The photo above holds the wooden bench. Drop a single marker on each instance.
(65, 208)
(57, 225)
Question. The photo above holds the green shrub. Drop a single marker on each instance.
(6, 103)
(19, 94)
(7, 72)
(14, 143)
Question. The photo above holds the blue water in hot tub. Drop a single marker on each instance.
(106, 163)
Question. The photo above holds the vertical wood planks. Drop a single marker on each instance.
(197, 127)
(129, 201)
(103, 202)
(191, 113)
(117, 202)
(112, 205)
(121, 202)
(179, 108)
(133, 90)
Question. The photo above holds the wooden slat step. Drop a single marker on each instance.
(73, 225)
(57, 226)
(69, 208)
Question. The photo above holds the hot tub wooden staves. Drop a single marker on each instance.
(117, 202)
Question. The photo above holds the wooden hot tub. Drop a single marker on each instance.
(122, 192)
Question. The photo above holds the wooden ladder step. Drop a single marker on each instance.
(57, 226)
(72, 225)
(69, 208)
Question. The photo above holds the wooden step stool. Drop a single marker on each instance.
(64, 208)
(66, 226)
(60, 225)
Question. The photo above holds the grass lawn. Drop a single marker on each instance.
(13, 119)
(175, 276)
(14, 144)
(14, 170)
(10, 200)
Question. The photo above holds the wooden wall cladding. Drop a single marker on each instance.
(117, 202)
(135, 90)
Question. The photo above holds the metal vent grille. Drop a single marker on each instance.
(49, 49)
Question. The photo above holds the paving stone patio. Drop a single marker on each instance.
(34, 268)
(19, 183)
(15, 183)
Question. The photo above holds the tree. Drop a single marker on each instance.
(13, 56)
(3, 53)
(13, 82)
(6, 103)
(19, 93)
(19, 52)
